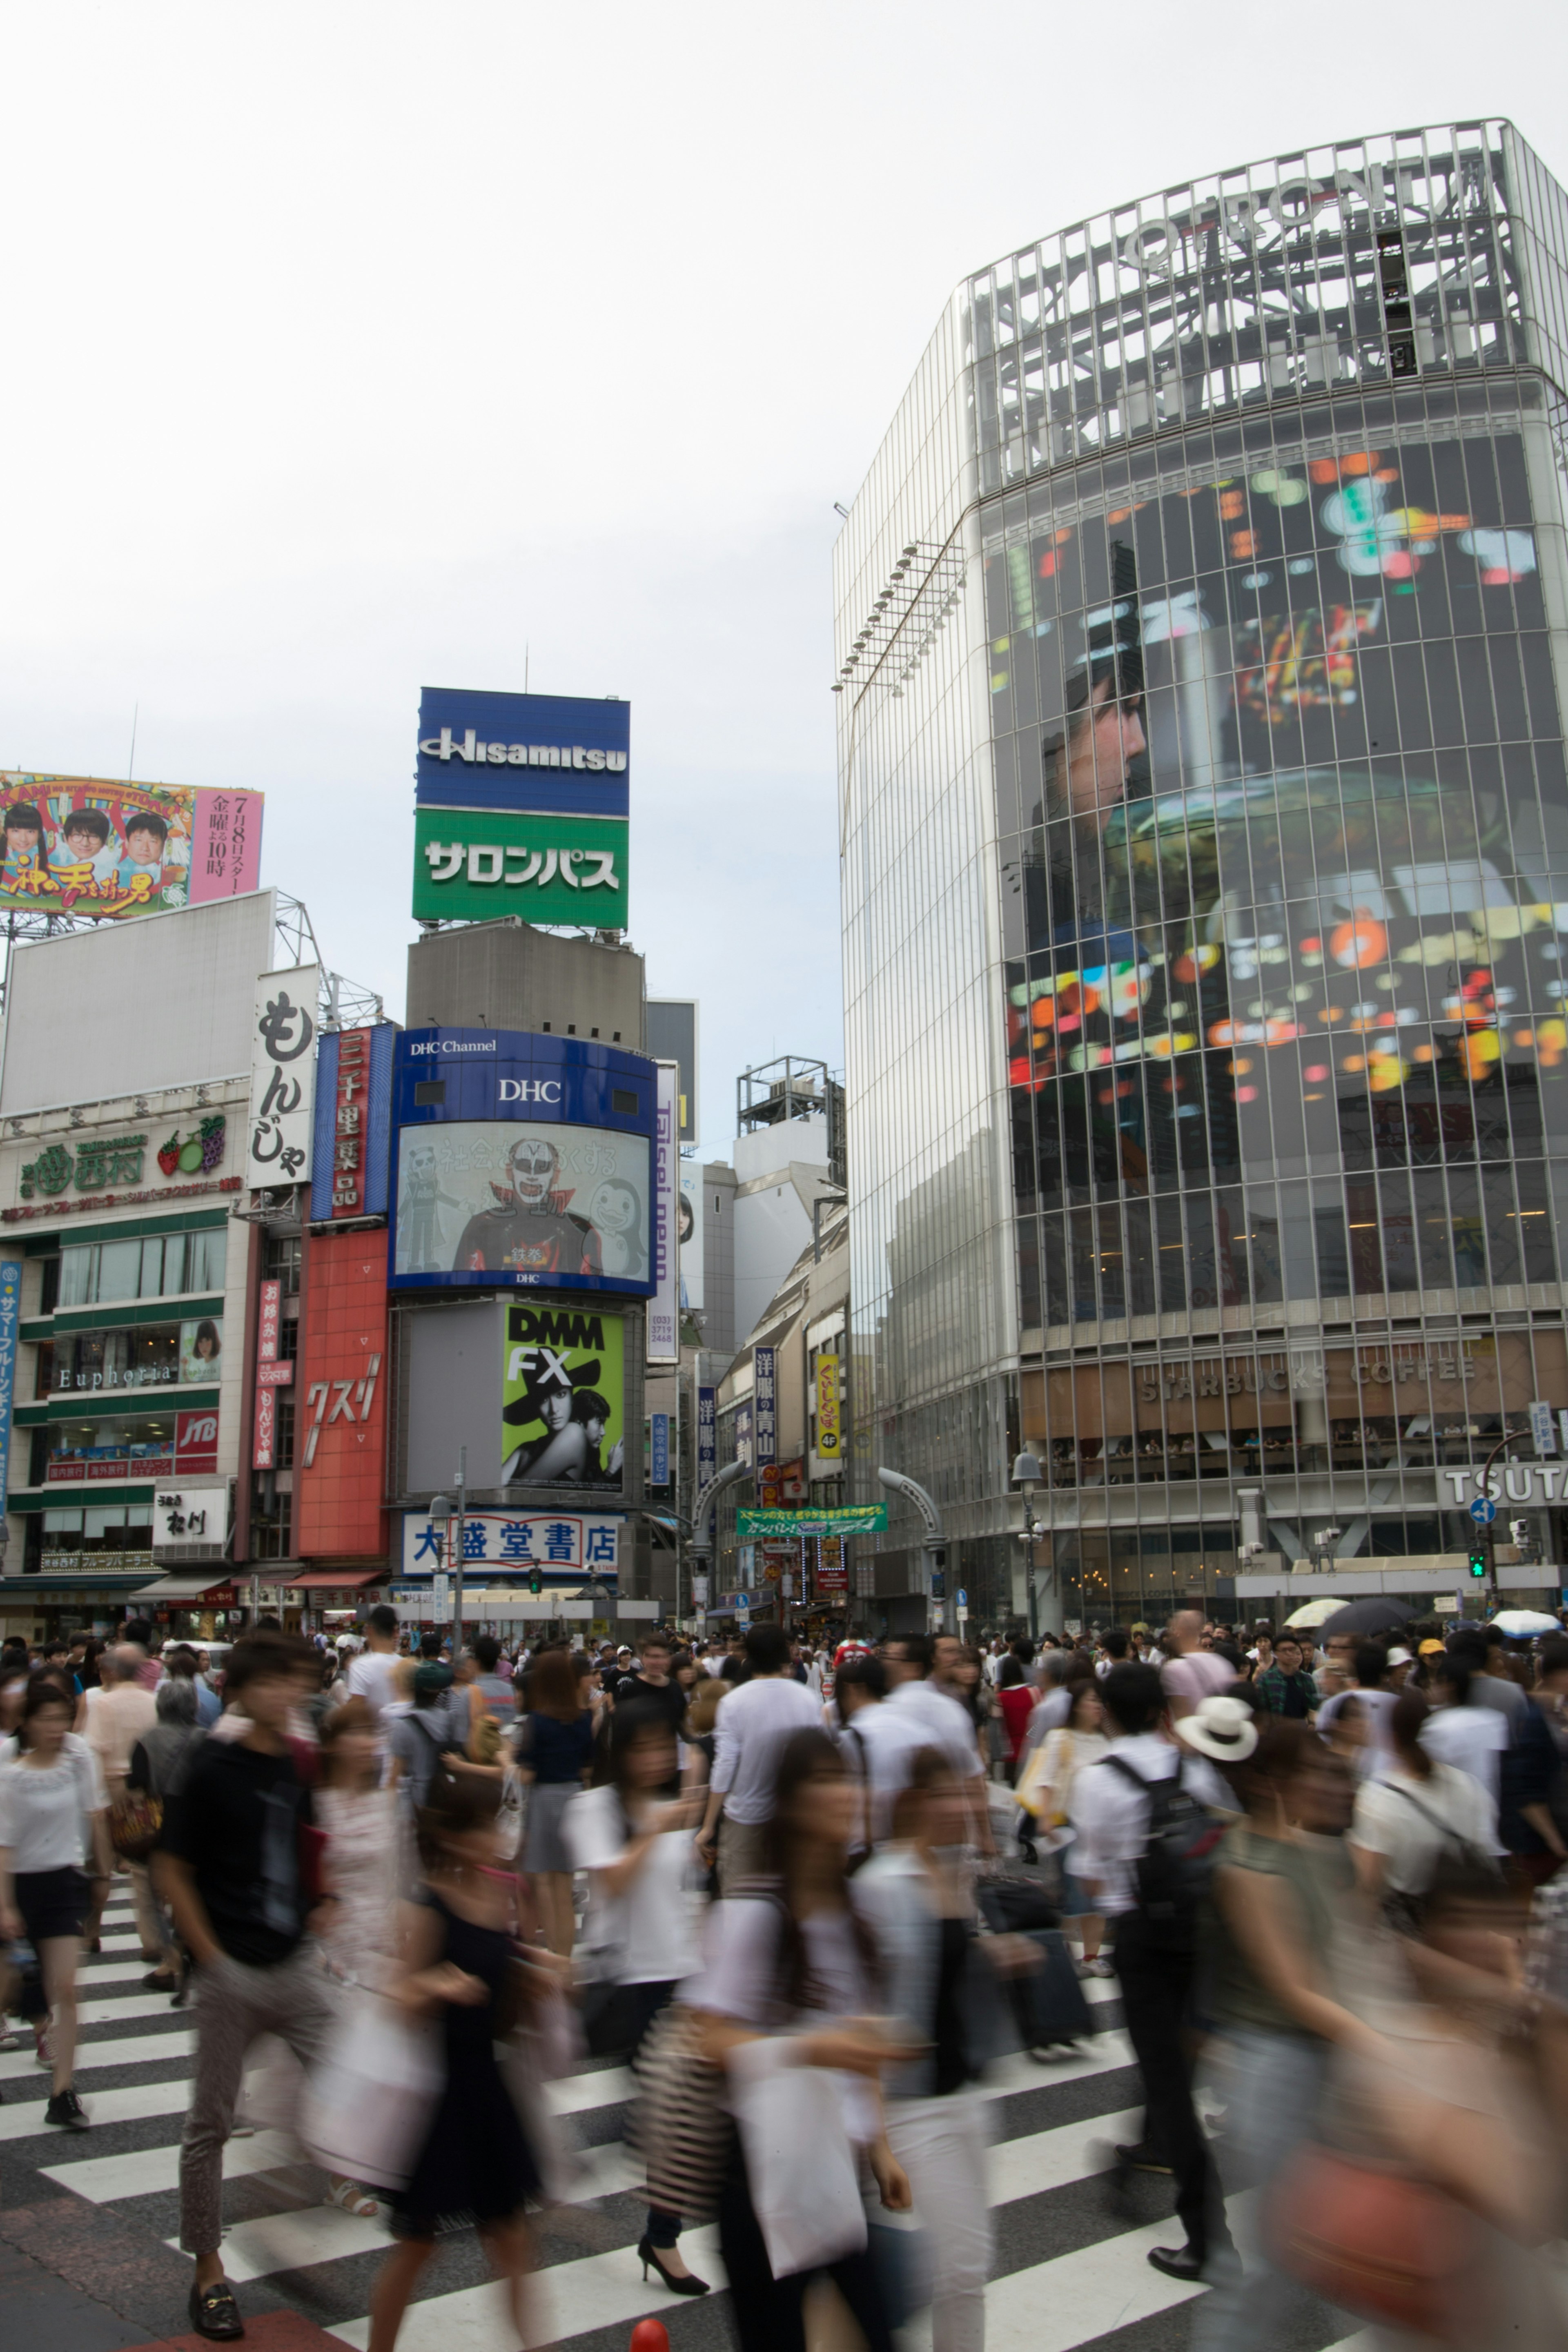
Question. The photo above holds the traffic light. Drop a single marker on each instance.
(535, 1582)
(1478, 1560)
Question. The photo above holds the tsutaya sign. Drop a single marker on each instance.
(1511, 1482)
(1304, 1371)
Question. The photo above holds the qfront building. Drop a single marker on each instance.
(1204, 851)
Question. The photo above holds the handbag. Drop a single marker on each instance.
(609, 2017)
(366, 2110)
(1377, 2242)
(135, 1825)
(678, 2126)
(803, 2174)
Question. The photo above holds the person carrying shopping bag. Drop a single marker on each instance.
(789, 1988)
(917, 1900)
(640, 1932)
(457, 1966)
(53, 1829)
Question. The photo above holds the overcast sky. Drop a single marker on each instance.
(352, 347)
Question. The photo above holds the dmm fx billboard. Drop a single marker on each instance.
(522, 807)
(521, 1159)
(562, 1397)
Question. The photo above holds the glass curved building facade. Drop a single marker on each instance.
(1205, 832)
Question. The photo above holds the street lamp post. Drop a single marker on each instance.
(1027, 1476)
(440, 1516)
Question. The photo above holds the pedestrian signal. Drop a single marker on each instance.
(1478, 1559)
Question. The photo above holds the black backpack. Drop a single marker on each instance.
(1174, 1873)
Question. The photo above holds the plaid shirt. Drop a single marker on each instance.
(1274, 1687)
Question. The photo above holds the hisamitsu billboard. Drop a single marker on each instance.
(563, 755)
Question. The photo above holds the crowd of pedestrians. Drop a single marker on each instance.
(812, 1900)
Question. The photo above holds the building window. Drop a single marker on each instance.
(270, 1518)
(151, 1265)
(281, 1262)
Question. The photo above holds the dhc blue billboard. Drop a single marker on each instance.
(563, 755)
(521, 1159)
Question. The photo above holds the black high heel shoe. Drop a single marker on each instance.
(689, 2284)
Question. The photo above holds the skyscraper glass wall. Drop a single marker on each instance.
(1205, 878)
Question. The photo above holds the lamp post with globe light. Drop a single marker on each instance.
(1026, 1476)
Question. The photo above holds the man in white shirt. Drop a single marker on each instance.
(1112, 1816)
(918, 1713)
(751, 1730)
(372, 1675)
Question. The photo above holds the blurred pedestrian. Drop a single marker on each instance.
(53, 1833)
(555, 1757)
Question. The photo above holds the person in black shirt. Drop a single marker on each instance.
(228, 1866)
(653, 1689)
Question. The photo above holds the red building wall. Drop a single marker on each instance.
(340, 1429)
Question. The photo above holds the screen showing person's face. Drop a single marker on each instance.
(82, 845)
(21, 838)
(145, 847)
(534, 1167)
(557, 1408)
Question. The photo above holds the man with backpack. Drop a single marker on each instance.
(1145, 1816)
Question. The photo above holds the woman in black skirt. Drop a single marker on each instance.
(458, 1953)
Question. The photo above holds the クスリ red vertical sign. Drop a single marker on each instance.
(265, 1449)
(348, 1123)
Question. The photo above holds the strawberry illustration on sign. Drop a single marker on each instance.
(202, 1149)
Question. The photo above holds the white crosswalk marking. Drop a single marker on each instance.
(1052, 2306)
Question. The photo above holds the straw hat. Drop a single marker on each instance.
(1222, 1728)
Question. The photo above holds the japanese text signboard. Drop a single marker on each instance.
(522, 807)
(282, 1077)
(79, 845)
(10, 1308)
(707, 1438)
(513, 1542)
(764, 1404)
(664, 1305)
(829, 1418)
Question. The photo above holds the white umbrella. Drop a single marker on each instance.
(1314, 1611)
(1523, 1625)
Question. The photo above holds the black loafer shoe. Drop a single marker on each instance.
(214, 2313)
(1183, 2262)
(1137, 2159)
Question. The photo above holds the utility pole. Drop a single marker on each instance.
(702, 1543)
(1486, 1539)
(1026, 1476)
(934, 1546)
(460, 1547)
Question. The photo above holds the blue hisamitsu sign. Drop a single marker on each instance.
(560, 754)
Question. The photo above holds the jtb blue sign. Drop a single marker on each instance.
(563, 755)
(10, 1308)
(521, 1159)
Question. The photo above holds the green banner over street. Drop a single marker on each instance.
(855, 1519)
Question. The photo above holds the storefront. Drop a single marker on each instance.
(201, 1607)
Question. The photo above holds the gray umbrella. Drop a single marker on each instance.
(1378, 1614)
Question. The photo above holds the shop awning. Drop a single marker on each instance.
(68, 1588)
(329, 1580)
(182, 1588)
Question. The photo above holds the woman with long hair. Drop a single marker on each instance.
(456, 1960)
(1418, 1813)
(637, 1849)
(1047, 1795)
(53, 1831)
(792, 1956)
(917, 1898)
(555, 1758)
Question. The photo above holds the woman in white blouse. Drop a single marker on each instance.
(53, 1831)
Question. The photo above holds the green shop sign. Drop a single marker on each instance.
(471, 864)
(94, 1167)
(855, 1519)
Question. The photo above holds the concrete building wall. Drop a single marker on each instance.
(507, 975)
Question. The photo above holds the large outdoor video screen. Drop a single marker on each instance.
(526, 1200)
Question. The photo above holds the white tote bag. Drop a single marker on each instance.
(367, 2107)
(803, 2177)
